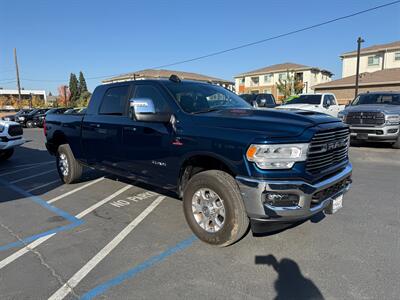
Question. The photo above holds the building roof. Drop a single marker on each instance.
(281, 68)
(383, 77)
(375, 48)
(152, 73)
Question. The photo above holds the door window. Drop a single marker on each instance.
(153, 93)
(114, 101)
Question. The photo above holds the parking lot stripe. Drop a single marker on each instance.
(24, 250)
(75, 190)
(91, 264)
(43, 185)
(24, 169)
(100, 289)
(41, 240)
(32, 176)
(100, 203)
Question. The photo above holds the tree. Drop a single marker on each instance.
(290, 86)
(64, 96)
(73, 88)
(82, 84)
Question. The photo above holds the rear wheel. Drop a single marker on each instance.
(6, 154)
(29, 124)
(69, 169)
(214, 208)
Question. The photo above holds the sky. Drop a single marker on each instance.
(103, 38)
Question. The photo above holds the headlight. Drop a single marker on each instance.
(277, 156)
(392, 119)
(342, 116)
(21, 118)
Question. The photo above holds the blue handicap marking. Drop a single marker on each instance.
(74, 222)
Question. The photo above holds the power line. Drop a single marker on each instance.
(277, 36)
(244, 45)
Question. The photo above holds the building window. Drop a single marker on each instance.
(268, 78)
(254, 80)
(282, 76)
(373, 60)
(242, 80)
(397, 56)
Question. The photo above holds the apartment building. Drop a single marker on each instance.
(264, 80)
(372, 59)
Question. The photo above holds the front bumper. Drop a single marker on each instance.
(11, 143)
(253, 193)
(385, 133)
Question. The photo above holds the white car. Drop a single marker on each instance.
(325, 103)
(10, 137)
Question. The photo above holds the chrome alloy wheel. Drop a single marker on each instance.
(208, 210)
(63, 164)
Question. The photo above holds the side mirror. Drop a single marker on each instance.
(143, 109)
(328, 104)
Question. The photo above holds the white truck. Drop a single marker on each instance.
(10, 137)
(325, 103)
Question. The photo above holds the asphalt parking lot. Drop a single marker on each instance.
(110, 239)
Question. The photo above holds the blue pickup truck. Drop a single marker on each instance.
(232, 165)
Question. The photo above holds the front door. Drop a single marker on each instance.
(147, 145)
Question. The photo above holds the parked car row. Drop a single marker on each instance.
(373, 117)
(31, 118)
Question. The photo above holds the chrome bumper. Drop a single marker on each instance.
(253, 192)
(385, 134)
(11, 144)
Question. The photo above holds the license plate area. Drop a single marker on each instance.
(362, 136)
(335, 205)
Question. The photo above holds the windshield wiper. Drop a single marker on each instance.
(206, 110)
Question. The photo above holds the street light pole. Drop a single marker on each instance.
(359, 41)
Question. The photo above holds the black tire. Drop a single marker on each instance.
(6, 154)
(236, 222)
(71, 171)
(396, 145)
(29, 124)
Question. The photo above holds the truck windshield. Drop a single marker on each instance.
(306, 99)
(392, 99)
(195, 97)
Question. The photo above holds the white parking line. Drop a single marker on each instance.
(41, 240)
(75, 190)
(91, 264)
(32, 166)
(44, 185)
(32, 176)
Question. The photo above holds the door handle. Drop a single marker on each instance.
(94, 125)
(130, 128)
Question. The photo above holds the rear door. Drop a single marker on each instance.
(102, 130)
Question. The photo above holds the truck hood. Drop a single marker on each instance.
(385, 108)
(271, 122)
(299, 106)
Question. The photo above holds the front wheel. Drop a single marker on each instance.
(396, 145)
(214, 208)
(69, 169)
(6, 154)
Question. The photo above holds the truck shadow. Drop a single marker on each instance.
(290, 284)
(26, 161)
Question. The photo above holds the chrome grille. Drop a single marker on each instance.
(365, 118)
(327, 148)
(15, 130)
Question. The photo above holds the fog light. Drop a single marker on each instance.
(281, 199)
(379, 132)
(393, 130)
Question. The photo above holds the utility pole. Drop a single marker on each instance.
(359, 41)
(17, 71)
